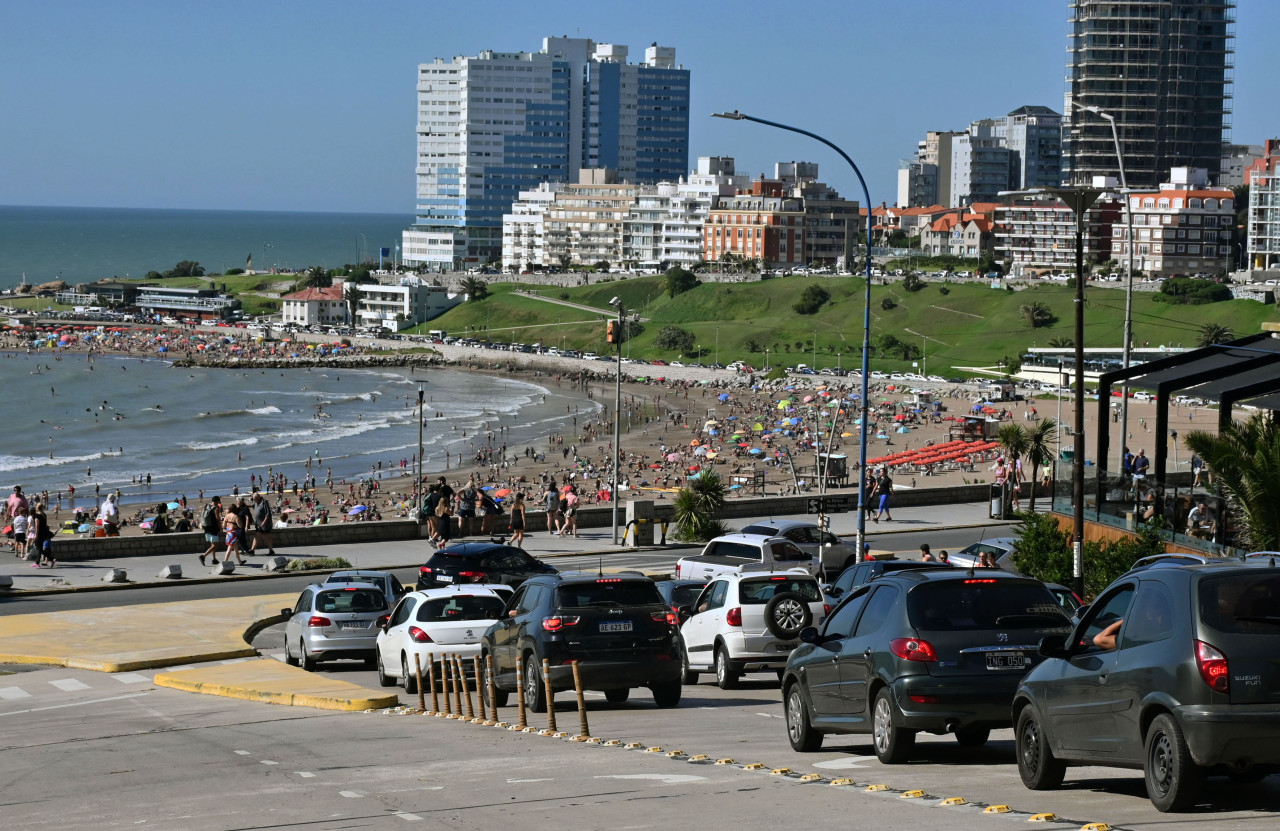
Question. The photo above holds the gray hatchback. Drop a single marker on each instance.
(334, 620)
(1174, 671)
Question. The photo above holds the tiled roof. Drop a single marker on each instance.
(327, 293)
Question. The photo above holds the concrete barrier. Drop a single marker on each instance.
(170, 572)
(115, 575)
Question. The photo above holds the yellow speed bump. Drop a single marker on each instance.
(1045, 817)
(811, 777)
(996, 809)
(780, 772)
(633, 745)
(653, 750)
(701, 757)
(874, 788)
(724, 761)
(753, 766)
(613, 743)
(911, 795)
(1095, 826)
(842, 782)
(675, 754)
(954, 800)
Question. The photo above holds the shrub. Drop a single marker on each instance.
(674, 339)
(1043, 551)
(888, 303)
(912, 282)
(811, 300)
(696, 507)
(317, 563)
(1185, 290)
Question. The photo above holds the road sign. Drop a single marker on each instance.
(828, 504)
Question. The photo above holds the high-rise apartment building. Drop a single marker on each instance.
(499, 123)
(1033, 135)
(1163, 69)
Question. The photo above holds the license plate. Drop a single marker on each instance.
(444, 578)
(354, 624)
(1006, 660)
(616, 626)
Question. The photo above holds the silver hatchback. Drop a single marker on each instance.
(332, 621)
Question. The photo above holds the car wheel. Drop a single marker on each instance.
(535, 692)
(687, 675)
(786, 614)
(1039, 770)
(289, 656)
(726, 677)
(410, 679)
(666, 695)
(384, 680)
(893, 743)
(308, 663)
(617, 696)
(803, 738)
(973, 736)
(1173, 779)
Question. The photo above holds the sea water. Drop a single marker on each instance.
(114, 420)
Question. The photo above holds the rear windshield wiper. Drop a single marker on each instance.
(1009, 620)
(1257, 618)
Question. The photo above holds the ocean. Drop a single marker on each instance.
(114, 420)
(85, 244)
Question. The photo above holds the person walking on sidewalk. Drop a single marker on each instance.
(517, 521)
(235, 531)
(552, 497)
(110, 516)
(260, 513)
(884, 491)
(211, 525)
(43, 537)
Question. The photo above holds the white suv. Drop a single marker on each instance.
(748, 623)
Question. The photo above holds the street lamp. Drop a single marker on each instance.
(617, 418)
(1079, 199)
(417, 485)
(1129, 243)
(866, 319)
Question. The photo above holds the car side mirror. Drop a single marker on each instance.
(834, 591)
(511, 613)
(1082, 611)
(809, 634)
(1054, 646)
(685, 612)
(286, 613)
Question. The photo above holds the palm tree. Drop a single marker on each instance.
(1037, 314)
(1042, 439)
(474, 288)
(1013, 440)
(1062, 343)
(1245, 458)
(697, 506)
(1212, 333)
(316, 277)
(351, 294)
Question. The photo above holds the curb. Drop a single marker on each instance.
(318, 702)
(129, 666)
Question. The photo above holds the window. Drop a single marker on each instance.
(713, 596)
(1244, 604)
(878, 611)
(304, 603)
(1106, 611)
(460, 607)
(958, 605)
(1152, 617)
(761, 590)
(351, 600)
(842, 621)
(403, 611)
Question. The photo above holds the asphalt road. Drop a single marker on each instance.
(81, 749)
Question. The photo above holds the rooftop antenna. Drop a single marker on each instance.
(600, 565)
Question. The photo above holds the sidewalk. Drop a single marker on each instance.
(87, 574)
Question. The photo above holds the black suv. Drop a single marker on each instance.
(616, 626)
(868, 570)
(479, 562)
(939, 651)
(1172, 670)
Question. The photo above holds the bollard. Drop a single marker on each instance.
(446, 679)
(422, 695)
(493, 688)
(523, 721)
(475, 664)
(466, 689)
(551, 704)
(457, 686)
(431, 679)
(584, 730)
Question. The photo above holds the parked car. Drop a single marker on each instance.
(429, 623)
(1171, 671)
(737, 553)
(832, 552)
(859, 574)
(1001, 548)
(384, 580)
(479, 562)
(747, 623)
(677, 593)
(331, 621)
(932, 650)
(617, 627)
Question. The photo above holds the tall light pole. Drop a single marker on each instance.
(1130, 244)
(617, 417)
(417, 485)
(866, 319)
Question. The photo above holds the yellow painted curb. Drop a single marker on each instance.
(272, 682)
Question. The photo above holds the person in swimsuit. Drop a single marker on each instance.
(233, 529)
(517, 521)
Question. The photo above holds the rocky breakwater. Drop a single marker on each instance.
(339, 361)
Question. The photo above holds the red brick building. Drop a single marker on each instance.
(765, 224)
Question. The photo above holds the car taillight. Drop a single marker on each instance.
(419, 636)
(665, 617)
(472, 575)
(382, 621)
(1213, 667)
(677, 571)
(923, 699)
(826, 609)
(316, 620)
(734, 616)
(424, 569)
(913, 649)
(558, 622)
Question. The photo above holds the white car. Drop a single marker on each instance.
(433, 622)
(748, 623)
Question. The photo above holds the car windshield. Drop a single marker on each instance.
(443, 559)
(784, 552)
(759, 590)
(461, 607)
(760, 530)
(380, 582)
(609, 592)
(1242, 603)
(982, 603)
(351, 600)
(685, 595)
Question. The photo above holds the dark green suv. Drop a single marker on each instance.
(1174, 671)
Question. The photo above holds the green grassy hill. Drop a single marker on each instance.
(970, 325)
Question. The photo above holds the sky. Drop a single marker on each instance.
(309, 105)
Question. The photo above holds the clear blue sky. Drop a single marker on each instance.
(309, 105)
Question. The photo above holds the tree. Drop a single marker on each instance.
(674, 339)
(697, 506)
(351, 294)
(186, 268)
(315, 278)
(1037, 314)
(565, 260)
(912, 282)
(888, 303)
(474, 288)
(1062, 343)
(1212, 333)
(1245, 458)
(811, 300)
(1013, 442)
(678, 281)
(602, 266)
(1041, 440)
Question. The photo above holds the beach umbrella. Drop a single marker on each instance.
(735, 487)
(145, 525)
(732, 418)
(707, 425)
(566, 488)
(846, 435)
(83, 528)
(694, 469)
(173, 506)
(502, 492)
(806, 399)
(724, 396)
(694, 443)
(782, 405)
(711, 454)
(793, 421)
(743, 444)
(673, 457)
(701, 451)
(757, 426)
(755, 451)
(655, 467)
(904, 429)
(358, 509)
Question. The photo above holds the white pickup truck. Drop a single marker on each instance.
(747, 623)
(743, 553)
